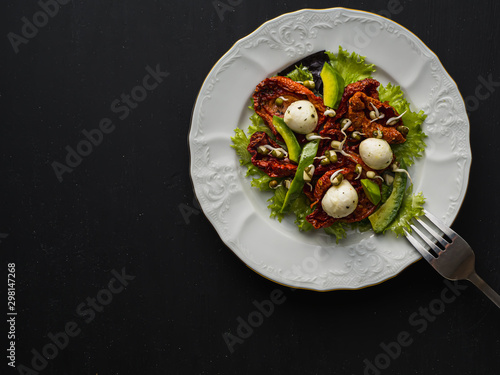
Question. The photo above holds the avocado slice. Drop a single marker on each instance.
(333, 86)
(372, 190)
(289, 137)
(381, 218)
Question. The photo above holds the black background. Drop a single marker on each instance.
(129, 205)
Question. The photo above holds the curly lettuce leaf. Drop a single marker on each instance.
(301, 208)
(411, 207)
(337, 230)
(300, 74)
(261, 128)
(362, 226)
(415, 145)
(262, 182)
(240, 144)
(352, 67)
(276, 202)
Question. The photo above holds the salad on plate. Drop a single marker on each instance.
(334, 146)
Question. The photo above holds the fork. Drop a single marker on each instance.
(449, 254)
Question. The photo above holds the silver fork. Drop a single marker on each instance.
(452, 257)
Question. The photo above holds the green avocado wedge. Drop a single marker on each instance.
(381, 218)
(333, 86)
(371, 190)
(291, 142)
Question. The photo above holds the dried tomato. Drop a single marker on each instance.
(273, 166)
(358, 111)
(367, 86)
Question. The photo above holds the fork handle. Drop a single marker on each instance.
(485, 288)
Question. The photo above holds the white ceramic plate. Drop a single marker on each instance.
(239, 213)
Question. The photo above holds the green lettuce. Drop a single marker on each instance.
(262, 182)
(301, 208)
(337, 230)
(362, 226)
(415, 145)
(276, 202)
(352, 67)
(300, 74)
(240, 144)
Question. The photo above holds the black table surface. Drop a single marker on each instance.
(118, 271)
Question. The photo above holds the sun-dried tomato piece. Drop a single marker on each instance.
(274, 167)
(320, 219)
(367, 86)
(270, 89)
(358, 111)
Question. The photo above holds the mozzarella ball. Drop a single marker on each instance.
(301, 117)
(376, 153)
(340, 201)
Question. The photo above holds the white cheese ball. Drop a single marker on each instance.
(376, 153)
(340, 201)
(301, 117)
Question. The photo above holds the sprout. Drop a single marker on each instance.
(370, 174)
(358, 169)
(339, 145)
(344, 122)
(403, 130)
(308, 173)
(330, 112)
(394, 120)
(263, 150)
(389, 179)
(309, 84)
(274, 151)
(336, 145)
(278, 153)
(395, 168)
(375, 114)
(313, 136)
(336, 178)
(273, 184)
(323, 160)
(357, 135)
(331, 155)
(375, 110)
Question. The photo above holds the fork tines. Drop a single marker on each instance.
(436, 242)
